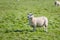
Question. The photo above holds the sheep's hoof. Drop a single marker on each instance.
(45, 31)
(31, 31)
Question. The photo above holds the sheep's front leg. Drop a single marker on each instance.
(34, 28)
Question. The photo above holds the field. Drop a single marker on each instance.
(14, 22)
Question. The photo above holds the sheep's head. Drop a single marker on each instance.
(30, 16)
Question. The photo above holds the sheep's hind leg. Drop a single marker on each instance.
(45, 29)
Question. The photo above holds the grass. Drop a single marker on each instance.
(14, 23)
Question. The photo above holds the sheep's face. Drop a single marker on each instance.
(57, 3)
(30, 16)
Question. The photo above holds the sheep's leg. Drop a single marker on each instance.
(46, 25)
(45, 28)
(34, 28)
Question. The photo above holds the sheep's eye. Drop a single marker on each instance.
(29, 17)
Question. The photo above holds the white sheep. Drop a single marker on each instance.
(38, 22)
(57, 3)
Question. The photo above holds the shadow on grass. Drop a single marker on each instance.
(7, 31)
(23, 31)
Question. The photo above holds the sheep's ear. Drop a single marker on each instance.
(30, 14)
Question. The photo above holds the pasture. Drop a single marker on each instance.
(14, 22)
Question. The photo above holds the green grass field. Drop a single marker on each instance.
(14, 23)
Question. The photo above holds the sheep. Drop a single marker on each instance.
(57, 3)
(38, 22)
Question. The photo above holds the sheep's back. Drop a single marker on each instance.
(41, 21)
(58, 2)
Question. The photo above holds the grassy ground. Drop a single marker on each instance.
(14, 23)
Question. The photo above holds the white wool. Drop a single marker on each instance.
(38, 21)
(57, 3)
